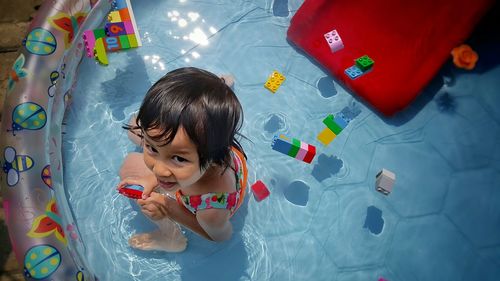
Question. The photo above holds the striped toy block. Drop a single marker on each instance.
(294, 148)
(326, 136)
(330, 123)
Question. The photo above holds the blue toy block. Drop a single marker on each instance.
(119, 4)
(281, 145)
(340, 120)
(353, 72)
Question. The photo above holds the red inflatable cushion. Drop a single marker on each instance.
(408, 40)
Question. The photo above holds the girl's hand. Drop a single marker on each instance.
(155, 206)
(149, 184)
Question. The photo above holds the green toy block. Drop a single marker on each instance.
(330, 123)
(295, 147)
(124, 41)
(364, 63)
(99, 33)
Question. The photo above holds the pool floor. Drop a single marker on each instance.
(324, 220)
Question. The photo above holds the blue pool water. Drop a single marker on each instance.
(324, 220)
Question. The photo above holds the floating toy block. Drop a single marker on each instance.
(119, 33)
(260, 190)
(329, 121)
(326, 136)
(385, 181)
(274, 81)
(353, 72)
(364, 63)
(294, 148)
(100, 52)
(334, 41)
(132, 191)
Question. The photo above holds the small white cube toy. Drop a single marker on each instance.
(384, 181)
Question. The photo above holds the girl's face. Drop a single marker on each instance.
(175, 165)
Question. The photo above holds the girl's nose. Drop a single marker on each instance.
(161, 169)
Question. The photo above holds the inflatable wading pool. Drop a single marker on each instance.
(43, 233)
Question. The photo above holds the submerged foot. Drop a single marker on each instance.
(158, 241)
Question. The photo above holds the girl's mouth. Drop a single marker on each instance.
(166, 185)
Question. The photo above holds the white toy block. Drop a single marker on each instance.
(334, 41)
(385, 181)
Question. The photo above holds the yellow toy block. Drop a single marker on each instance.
(114, 16)
(100, 52)
(132, 39)
(274, 81)
(326, 136)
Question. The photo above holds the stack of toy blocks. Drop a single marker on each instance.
(334, 125)
(274, 81)
(385, 181)
(294, 148)
(361, 66)
(119, 33)
(334, 41)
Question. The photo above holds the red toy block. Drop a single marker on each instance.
(260, 190)
(311, 152)
(132, 191)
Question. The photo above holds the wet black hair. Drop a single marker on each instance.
(202, 104)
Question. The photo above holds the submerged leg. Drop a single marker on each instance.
(168, 238)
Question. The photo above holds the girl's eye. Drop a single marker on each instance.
(179, 159)
(150, 148)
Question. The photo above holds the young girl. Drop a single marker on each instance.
(193, 169)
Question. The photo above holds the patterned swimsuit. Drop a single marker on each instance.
(220, 200)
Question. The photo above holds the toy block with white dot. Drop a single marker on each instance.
(353, 72)
(385, 181)
(334, 41)
(294, 148)
(364, 63)
(274, 81)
